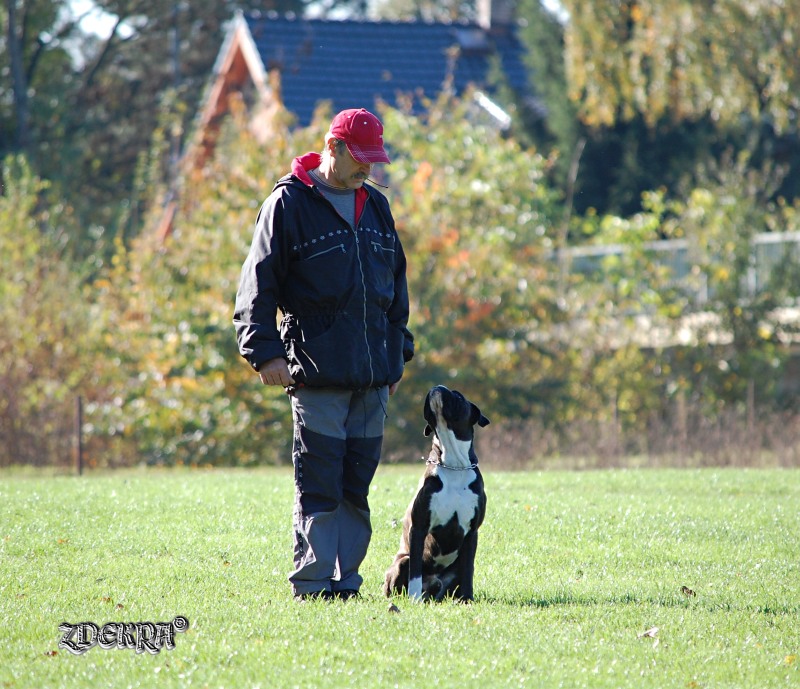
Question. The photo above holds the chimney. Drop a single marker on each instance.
(495, 14)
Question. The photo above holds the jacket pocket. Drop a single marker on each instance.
(338, 248)
(336, 358)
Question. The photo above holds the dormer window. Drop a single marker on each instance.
(473, 40)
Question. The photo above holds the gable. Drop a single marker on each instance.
(354, 63)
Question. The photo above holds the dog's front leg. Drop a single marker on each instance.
(416, 547)
(466, 566)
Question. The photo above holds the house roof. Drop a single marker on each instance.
(349, 63)
(354, 63)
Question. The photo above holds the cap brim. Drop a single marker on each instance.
(368, 154)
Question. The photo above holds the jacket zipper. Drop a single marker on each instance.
(363, 283)
(364, 292)
(377, 246)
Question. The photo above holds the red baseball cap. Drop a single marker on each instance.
(362, 132)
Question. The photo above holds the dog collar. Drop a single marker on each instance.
(445, 466)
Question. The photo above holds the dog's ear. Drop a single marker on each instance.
(428, 430)
(477, 417)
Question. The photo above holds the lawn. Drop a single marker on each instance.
(583, 579)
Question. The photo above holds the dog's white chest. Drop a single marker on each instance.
(455, 498)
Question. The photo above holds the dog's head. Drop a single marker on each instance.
(448, 412)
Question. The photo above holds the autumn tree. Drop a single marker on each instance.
(687, 66)
(477, 218)
(684, 59)
(476, 227)
(46, 324)
(85, 105)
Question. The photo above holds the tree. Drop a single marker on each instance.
(46, 324)
(476, 216)
(721, 220)
(423, 10)
(685, 60)
(475, 228)
(610, 150)
(181, 392)
(84, 106)
(18, 78)
(707, 324)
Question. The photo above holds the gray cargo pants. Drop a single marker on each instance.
(337, 446)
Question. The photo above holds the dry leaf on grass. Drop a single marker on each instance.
(651, 633)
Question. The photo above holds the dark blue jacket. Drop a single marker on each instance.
(342, 290)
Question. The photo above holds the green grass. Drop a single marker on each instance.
(572, 568)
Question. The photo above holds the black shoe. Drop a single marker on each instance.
(345, 594)
(313, 595)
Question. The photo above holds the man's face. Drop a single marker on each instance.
(346, 171)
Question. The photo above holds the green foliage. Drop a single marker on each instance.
(95, 101)
(424, 10)
(43, 362)
(746, 292)
(683, 60)
(714, 308)
(181, 393)
(476, 217)
(542, 34)
(656, 89)
(492, 311)
(476, 251)
(142, 329)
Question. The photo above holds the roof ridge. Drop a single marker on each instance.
(260, 15)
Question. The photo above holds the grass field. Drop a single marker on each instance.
(572, 570)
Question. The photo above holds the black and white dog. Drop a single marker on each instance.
(440, 527)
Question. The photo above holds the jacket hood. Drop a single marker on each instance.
(302, 164)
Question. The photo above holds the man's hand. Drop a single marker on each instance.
(276, 372)
(393, 387)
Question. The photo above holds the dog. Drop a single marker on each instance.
(440, 528)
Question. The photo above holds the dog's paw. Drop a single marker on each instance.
(415, 589)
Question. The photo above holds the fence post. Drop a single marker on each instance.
(79, 435)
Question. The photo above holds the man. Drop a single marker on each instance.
(325, 252)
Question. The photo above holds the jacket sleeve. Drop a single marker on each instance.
(258, 296)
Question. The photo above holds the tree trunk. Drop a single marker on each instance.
(19, 83)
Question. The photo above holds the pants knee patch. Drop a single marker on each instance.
(318, 470)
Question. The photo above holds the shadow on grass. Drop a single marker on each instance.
(568, 599)
(556, 600)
